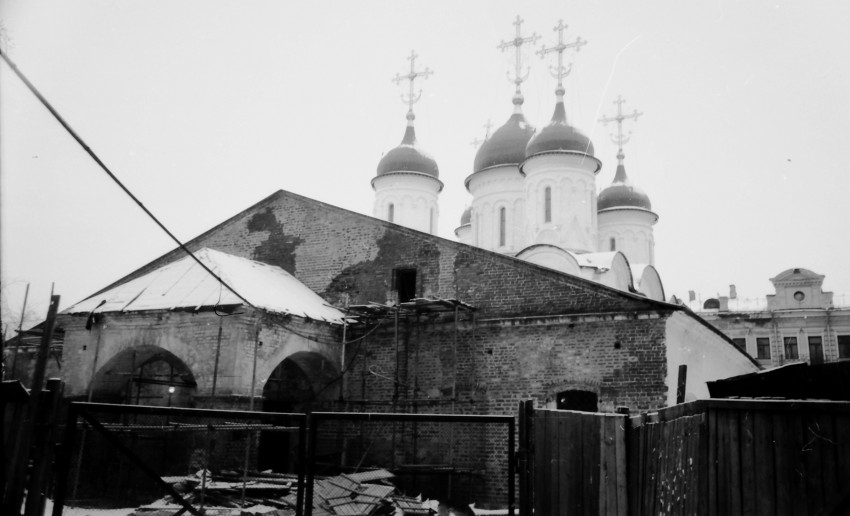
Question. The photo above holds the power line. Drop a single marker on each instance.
(97, 160)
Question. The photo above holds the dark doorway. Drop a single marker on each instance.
(585, 401)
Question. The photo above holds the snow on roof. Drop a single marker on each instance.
(185, 284)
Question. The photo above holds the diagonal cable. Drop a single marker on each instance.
(97, 160)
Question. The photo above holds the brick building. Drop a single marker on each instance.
(431, 325)
(520, 331)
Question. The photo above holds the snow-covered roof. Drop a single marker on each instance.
(185, 284)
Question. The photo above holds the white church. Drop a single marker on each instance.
(534, 192)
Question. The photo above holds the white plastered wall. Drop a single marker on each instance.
(708, 356)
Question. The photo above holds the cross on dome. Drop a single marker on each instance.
(560, 72)
(620, 139)
(518, 42)
(477, 141)
(411, 76)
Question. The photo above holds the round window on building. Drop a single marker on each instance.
(799, 296)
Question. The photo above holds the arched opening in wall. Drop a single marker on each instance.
(547, 204)
(298, 384)
(585, 401)
(613, 244)
(391, 212)
(144, 375)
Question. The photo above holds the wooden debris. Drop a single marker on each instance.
(367, 493)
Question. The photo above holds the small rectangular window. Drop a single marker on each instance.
(613, 243)
(404, 283)
(791, 348)
(763, 348)
(816, 350)
(741, 342)
(844, 346)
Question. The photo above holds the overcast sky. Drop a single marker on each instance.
(205, 108)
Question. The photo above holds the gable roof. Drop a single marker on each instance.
(184, 284)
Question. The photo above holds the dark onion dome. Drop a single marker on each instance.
(559, 136)
(507, 145)
(408, 157)
(466, 216)
(622, 194)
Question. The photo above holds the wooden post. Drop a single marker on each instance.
(525, 457)
(681, 384)
(15, 487)
(47, 422)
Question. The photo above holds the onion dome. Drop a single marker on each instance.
(466, 216)
(408, 156)
(507, 145)
(559, 135)
(622, 194)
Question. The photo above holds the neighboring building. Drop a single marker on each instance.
(799, 322)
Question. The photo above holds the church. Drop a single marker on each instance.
(534, 192)
(292, 304)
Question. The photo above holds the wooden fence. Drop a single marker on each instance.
(579, 463)
(710, 457)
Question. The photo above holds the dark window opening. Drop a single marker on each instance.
(816, 350)
(844, 346)
(613, 242)
(763, 348)
(711, 304)
(391, 213)
(791, 348)
(547, 203)
(405, 284)
(741, 342)
(585, 401)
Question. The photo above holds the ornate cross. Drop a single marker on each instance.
(476, 142)
(412, 98)
(561, 72)
(518, 42)
(620, 139)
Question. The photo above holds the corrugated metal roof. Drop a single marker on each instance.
(185, 284)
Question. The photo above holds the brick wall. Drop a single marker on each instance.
(536, 332)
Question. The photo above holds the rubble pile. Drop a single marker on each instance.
(368, 493)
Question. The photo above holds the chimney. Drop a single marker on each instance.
(733, 294)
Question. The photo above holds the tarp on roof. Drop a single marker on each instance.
(185, 284)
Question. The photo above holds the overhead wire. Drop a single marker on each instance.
(103, 166)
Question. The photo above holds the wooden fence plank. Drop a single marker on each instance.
(620, 436)
(604, 463)
(591, 425)
(814, 456)
(832, 486)
(763, 457)
(542, 461)
(747, 463)
(567, 500)
(782, 460)
(713, 437)
(797, 426)
(842, 440)
(734, 454)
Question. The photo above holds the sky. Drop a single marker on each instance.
(203, 108)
